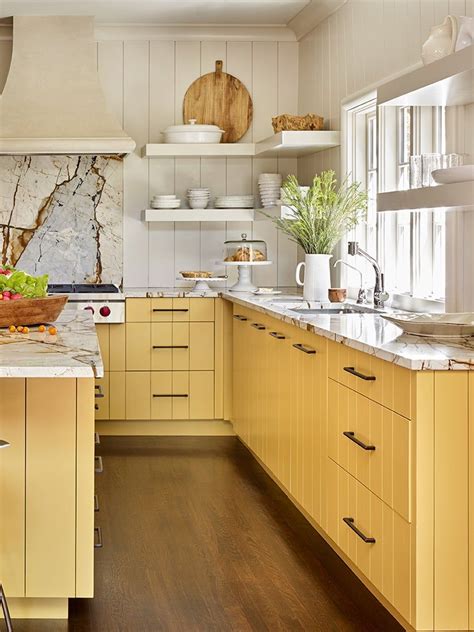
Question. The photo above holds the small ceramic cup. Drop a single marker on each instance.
(337, 294)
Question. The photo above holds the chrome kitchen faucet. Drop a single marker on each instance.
(380, 295)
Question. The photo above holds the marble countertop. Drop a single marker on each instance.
(168, 292)
(72, 352)
(371, 334)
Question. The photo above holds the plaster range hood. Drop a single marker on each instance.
(52, 102)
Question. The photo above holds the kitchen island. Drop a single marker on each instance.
(47, 473)
(371, 434)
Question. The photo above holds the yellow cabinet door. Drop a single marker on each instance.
(286, 405)
(137, 394)
(201, 346)
(201, 309)
(138, 310)
(117, 347)
(181, 395)
(181, 346)
(51, 488)
(102, 397)
(103, 334)
(138, 346)
(161, 395)
(201, 395)
(181, 309)
(161, 310)
(12, 488)
(162, 342)
(117, 391)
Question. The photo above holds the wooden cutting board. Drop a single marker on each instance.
(219, 99)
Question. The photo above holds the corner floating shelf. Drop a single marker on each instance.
(286, 144)
(447, 81)
(211, 214)
(454, 197)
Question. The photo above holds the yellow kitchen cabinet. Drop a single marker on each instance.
(117, 334)
(182, 395)
(102, 399)
(12, 487)
(202, 309)
(138, 310)
(162, 343)
(373, 444)
(138, 346)
(103, 334)
(201, 395)
(170, 309)
(117, 393)
(201, 346)
(137, 394)
(161, 395)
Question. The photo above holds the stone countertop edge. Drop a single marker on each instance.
(72, 353)
(373, 335)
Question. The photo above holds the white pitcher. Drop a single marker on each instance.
(442, 40)
(317, 278)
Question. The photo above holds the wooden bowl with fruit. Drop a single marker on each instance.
(24, 299)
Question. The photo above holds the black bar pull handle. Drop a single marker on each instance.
(99, 394)
(156, 309)
(170, 395)
(99, 468)
(96, 407)
(170, 347)
(351, 436)
(275, 334)
(258, 326)
(352, 371)
(241, 318)
(351, 524)
(304, 348)
(98, 542)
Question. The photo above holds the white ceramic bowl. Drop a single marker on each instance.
(465, 173)
(198, 203)
(168, 204)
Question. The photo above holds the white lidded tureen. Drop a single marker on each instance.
(192, 133)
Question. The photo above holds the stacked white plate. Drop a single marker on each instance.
(234, 201)
(269, 187)
(198, 197)
(165, 201)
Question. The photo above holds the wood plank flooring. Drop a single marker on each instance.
(197, 538)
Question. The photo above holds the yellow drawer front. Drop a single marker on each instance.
(138, 346)
(103, 334)
(170, 395)
(175, 310)
(117, 395)
(162, 342)
(138, 310)
(201, 395)
(137, 394)
(201, 309)
(381, 381)
(373, 444)
(102, 404)
(201, 349)
(117, 347)
(374, 537)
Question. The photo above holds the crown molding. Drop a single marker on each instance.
(313, 14)
(243, 33)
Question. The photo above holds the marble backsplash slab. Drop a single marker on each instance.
(62, 215)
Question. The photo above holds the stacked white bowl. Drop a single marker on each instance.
(198, 197)
(269, 187)
(234, 201)
(165, 201)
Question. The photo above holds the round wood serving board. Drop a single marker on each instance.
(219, 99)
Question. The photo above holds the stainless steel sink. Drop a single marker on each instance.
(352, 309)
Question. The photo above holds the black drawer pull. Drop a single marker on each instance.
(276, 335)
(96, 502)
(258, 326)
(170, 310)
(352, 371)
(170, 395)
(241, 318)
(98, 543)
(99, 468)
(304, 348)
(170, 347)
(99, 393)
(96, 407)
(352, 437)
(350, 523)
(96, 437)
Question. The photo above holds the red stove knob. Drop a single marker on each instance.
(90, 308)
(104, 311)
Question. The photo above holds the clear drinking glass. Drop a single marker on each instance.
(430, 162)
(416, 167)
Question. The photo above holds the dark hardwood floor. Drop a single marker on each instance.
(197, 538)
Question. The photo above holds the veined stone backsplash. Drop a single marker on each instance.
(62, 215)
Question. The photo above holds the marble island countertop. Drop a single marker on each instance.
(171, 292)
(369, 333)
(72, 352)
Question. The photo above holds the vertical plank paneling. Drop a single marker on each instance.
(161, 170)
(239, 64)
(135, 114)
(265, 87)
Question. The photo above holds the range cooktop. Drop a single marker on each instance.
(82, 288)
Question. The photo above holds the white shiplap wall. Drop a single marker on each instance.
(145, 83)
(361, 44)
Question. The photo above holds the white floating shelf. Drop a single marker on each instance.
(288, 144)
(448, 81)
(199, 215)
(457, 196)
(295, 144)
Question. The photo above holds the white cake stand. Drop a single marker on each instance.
(244, 283)
(201, 283)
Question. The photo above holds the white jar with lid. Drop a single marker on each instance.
(192, 133)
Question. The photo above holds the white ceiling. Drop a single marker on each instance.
(183, 12)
